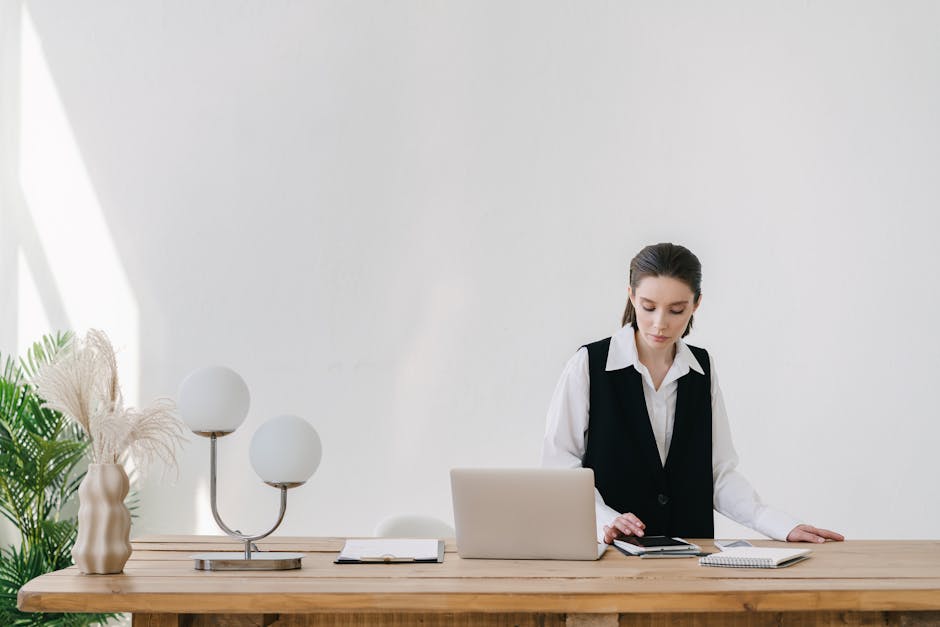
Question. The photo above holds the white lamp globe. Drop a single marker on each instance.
(213, 400)
(285, 450)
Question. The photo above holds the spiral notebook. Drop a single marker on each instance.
(755, 557)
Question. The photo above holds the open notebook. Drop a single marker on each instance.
(755, 557)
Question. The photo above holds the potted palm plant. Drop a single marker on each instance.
(42, 460)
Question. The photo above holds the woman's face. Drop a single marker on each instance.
(663, 308)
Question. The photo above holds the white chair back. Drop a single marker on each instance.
(413, 526)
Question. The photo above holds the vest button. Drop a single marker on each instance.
(663, 499)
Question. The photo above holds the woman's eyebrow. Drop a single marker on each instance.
(653, 302)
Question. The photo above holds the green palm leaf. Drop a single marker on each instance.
(42, 458)
(18, 566)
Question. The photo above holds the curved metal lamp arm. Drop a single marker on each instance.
(215, 510)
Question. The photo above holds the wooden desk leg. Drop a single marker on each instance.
(155, 620)
(206, 620)
(592, 620)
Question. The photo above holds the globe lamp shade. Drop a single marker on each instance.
(213, 400)
(285, 450)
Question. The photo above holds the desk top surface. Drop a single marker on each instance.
(853, 575)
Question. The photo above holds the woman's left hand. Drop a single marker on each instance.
(808, 533)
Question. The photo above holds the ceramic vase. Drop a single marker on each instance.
(104, 523)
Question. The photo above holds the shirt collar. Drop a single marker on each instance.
(622, 353)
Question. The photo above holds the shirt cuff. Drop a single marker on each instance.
(604, 517)
(775, 524)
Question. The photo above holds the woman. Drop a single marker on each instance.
(643, 410)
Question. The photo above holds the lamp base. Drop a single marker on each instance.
(237, 561)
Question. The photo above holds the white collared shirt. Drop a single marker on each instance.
(567, 425)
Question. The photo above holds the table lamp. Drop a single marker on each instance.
(285, 451)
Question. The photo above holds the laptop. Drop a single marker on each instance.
(525, 513)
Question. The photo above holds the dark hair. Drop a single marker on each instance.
(668, 260)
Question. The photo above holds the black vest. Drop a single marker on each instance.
(675, 500)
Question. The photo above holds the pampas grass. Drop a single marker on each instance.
(82, 383)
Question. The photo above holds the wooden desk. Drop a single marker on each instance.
(851, 583)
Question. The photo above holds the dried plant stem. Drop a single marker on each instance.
(82, 383)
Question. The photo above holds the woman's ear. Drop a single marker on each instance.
(630, 295)
(697, 303)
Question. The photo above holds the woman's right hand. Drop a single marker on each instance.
(624, 524)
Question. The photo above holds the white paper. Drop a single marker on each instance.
(372, 548)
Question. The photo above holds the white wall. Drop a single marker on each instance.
(399, 219)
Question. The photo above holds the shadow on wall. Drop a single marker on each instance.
(59, 264)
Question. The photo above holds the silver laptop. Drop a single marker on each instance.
(525, 513)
